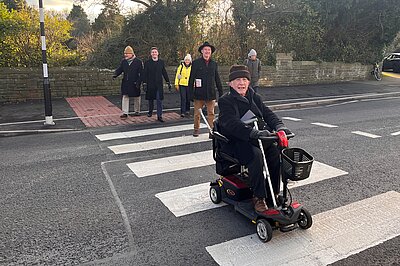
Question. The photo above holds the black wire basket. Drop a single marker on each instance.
(296, 164)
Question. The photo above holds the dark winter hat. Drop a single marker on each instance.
(206, 44)
(238, 71)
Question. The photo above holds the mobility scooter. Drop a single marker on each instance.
(232, 187)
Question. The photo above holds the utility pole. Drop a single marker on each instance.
(46, 84)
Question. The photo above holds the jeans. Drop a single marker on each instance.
(159, 105)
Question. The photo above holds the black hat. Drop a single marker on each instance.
(206, 44)
(238, 71)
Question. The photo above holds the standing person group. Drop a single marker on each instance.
(196, 81)
(182, 84)
(254, 66)
(204, 78)
(132, 67)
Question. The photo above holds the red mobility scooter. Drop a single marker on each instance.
(232, 187)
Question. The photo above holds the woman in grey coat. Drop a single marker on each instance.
(254, 66)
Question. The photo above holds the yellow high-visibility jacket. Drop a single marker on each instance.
(182, 75)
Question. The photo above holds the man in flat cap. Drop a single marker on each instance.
(243, 144)
(204, 78)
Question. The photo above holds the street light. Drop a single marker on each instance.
(46, 84)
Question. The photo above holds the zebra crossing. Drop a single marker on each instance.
(326, 242)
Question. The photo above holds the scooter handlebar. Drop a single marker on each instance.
(273, 137)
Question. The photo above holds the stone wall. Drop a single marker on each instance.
(19, 84)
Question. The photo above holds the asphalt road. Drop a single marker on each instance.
(67, 199)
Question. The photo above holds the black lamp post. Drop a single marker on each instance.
(46, 84)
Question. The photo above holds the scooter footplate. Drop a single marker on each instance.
(246, 208)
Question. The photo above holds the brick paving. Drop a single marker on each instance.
(97, 111)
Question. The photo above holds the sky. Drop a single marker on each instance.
(91, 9)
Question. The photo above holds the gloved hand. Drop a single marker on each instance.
(114, 77)
(144, 87)
(285, 129)
(256, 134)
(169, 87)
(282, 139)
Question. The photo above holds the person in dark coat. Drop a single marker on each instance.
(132, 67)
(243, 144)
(154, 71)
(204, 78)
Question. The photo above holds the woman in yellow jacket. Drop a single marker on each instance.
(181, 84)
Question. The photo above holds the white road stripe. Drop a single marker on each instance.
(145, 132)
(158, 144)
(324, 125)
(395, 133)
(192, 199)
(335, 235)
(291, 118)
(365, 134)
(171, 164)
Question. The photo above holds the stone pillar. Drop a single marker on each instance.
(284, 60)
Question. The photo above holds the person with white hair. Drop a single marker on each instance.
(254, 66)
(182, 82)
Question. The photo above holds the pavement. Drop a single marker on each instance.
(79, 113)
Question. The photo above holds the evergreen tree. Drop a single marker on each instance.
(110, 18)
(14, 4)
(80, 21)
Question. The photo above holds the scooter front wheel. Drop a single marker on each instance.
(305, 219)
(215, 194)
(264, 230)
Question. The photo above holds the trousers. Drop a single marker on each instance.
(125, 104)
(199, 104)
(255, 168)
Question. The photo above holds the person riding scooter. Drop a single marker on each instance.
(234, 107)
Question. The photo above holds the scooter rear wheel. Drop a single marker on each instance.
(264, 230)
(215, 194)
(305, 219)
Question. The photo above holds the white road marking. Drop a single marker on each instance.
(365, 134)
(146, 132)
(324, 125)
(291, 118)
(395, 133)
(158, 144)
(188, 200)
(192, 199)
(335, 235)
(38, 130)
(171, 164)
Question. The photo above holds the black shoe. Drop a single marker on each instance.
(182, 115)
(136, 114)
(149, 114)
(123, 116)
(160, 119)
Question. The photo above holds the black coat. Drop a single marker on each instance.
(232, 107)
(154, 71)
(132, 77)
(209, 80)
